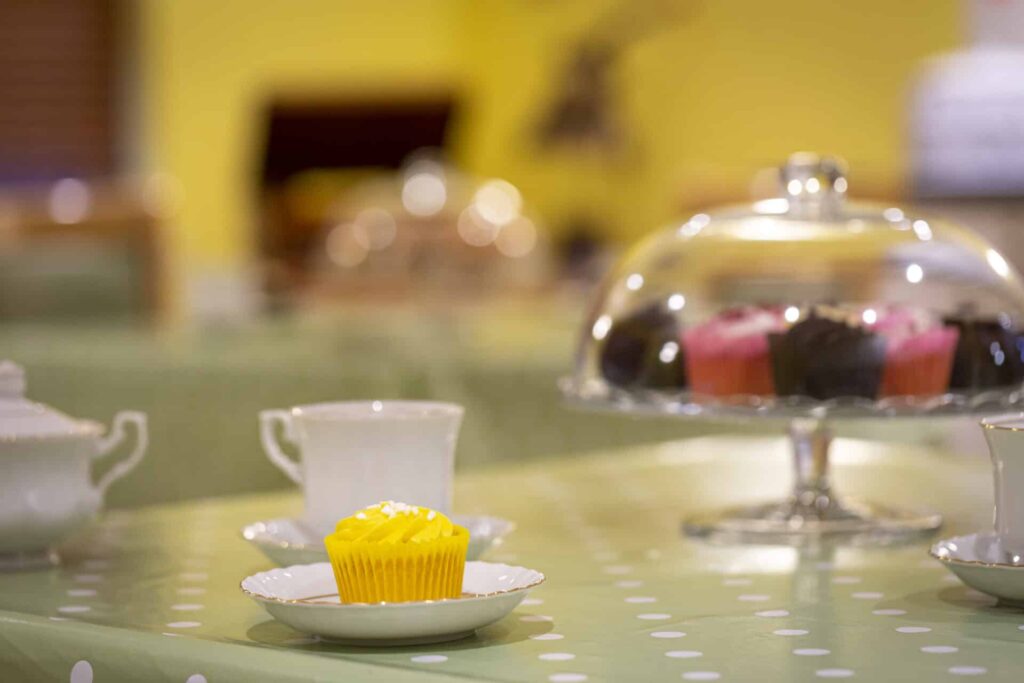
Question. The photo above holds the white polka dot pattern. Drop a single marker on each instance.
(834, 673)
(618, 569)
(556, 656)
(87, 578)
(846, 580)
(81, 672)
(737, 582)
(184, 624)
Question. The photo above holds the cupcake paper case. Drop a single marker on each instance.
(728, 355)
(393, 552)
(919, 353)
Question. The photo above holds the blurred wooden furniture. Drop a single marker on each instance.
(58, 88)
(73, 250)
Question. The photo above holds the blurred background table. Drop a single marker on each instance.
(153, 593)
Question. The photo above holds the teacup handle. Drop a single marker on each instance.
(114, 438)
(272, 448)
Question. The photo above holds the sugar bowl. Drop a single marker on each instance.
(47, 490)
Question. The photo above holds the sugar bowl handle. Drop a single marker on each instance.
(114, 438)
(271, 446)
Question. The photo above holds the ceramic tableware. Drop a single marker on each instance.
(305, 597)
(1005, 437)
(355, 454)
(288, 541)
(46, 487)
(980, 562)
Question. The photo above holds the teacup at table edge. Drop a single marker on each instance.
(1005, 437)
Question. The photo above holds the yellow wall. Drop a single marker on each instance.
(729, 87)
(733, 86)
(208, 67)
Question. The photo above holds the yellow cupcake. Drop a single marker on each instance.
(393, 552)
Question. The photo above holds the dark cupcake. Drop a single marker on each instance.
(988, 354)
(827, 355)
(644, 350)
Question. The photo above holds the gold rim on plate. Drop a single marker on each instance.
(463, 597)
(978, 563)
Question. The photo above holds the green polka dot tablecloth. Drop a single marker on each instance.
(152, 594)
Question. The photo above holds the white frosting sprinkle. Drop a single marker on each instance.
(360, 515)
(431, 515)
(391, 508)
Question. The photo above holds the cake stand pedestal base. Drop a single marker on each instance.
(789, 524)
(813, 511)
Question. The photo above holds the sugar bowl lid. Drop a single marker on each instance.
(21, 418)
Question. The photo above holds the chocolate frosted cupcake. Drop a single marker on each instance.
(827, 354)
(644, 350)
(988, 354)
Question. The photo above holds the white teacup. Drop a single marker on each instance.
(358, 453)
(1005, 436)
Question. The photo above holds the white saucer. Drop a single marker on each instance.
(288, 541)
(305, 597)
(981, 563)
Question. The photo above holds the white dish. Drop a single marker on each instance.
(981, 563)
(287, 541)
(305, 597)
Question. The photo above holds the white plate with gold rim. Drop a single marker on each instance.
(287, 541)
(979, 561)
(305, 597)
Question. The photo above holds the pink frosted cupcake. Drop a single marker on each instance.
(918, 352)
(728, 355)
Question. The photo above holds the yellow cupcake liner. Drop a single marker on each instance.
(399, 572)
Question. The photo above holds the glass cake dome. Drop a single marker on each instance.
(807, 307)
